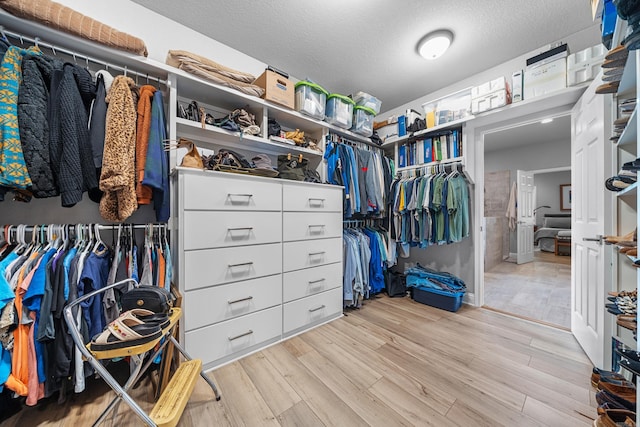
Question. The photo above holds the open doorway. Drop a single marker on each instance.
(539, 290)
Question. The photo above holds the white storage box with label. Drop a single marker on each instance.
(584, 65)
(490, 95)
(311, 99)
(546, 78)
(363, 120)
(339, 110)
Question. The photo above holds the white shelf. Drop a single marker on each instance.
(629, 137)
(629, 191)
(425, 132)
(627, 85)
(436, 163)
(212, 135)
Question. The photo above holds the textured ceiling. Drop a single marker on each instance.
(370, 45)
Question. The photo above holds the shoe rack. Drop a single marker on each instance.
(625, 138)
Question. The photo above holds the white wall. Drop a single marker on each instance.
(543, 155)
(548, 192)
(161, 34)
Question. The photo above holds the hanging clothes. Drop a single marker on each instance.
(430, 210)
(365, 174)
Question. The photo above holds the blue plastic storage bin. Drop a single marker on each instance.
(450, 301)
(363, 120)
(339, 111)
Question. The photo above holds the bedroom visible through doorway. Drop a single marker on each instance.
(539, 290)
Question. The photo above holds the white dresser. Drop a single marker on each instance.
(259, 259)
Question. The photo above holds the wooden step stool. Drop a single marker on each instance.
(169, 407)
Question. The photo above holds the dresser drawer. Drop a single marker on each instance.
(311, 225)
(218, 303)
(315, 198)
(315, 308)
(233, 336)
(311, 253)
(214, 192)
(302, 283)
(207, 229)
(204, 268)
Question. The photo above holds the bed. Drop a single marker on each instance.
(545, 237)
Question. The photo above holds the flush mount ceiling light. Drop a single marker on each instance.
(545, 121)
(435, 44)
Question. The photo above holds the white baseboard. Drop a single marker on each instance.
(469, 298)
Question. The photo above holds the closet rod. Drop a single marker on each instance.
(100, 226)
(38, 42)
(428, 165)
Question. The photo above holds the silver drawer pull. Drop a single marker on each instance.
(245, 198)
(235, 301)
(316, 228)
(242, 264)
(311, 310)
(311, 282)
(240, 229)
(316, 201)
(249, 332)
(317, 253)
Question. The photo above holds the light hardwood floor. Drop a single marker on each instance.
(539, 290)
(392, 363)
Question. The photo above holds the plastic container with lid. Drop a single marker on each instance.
(365, 100)
(339, 111)
(363, 120)
(311, 99)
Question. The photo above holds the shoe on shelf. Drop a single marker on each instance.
(631, 236)
(598, 374)
(608, 87)
(629, 354)
(631, 293)
(616, 417)
(603, 396)
(617, 53)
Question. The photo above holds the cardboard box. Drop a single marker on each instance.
(545, 79)
(277, 88)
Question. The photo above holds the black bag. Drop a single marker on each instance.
(152, 298)
(294, 168)
(395, 284)
(273, 128)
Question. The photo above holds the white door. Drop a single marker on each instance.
(524, 229)
(591, 165)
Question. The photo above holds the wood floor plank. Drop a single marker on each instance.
(473, 413)
(327, 406)
(274, 388)
(458, 381)
(297, 346)
(548, 390)
(405, 403)
(358, 371)
(569, 370)
(548, 415)
(423, 391)
(299, 415)
(392, 362)
(373, 410)
(242, 396)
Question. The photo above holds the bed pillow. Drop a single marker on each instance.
(562, 222)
